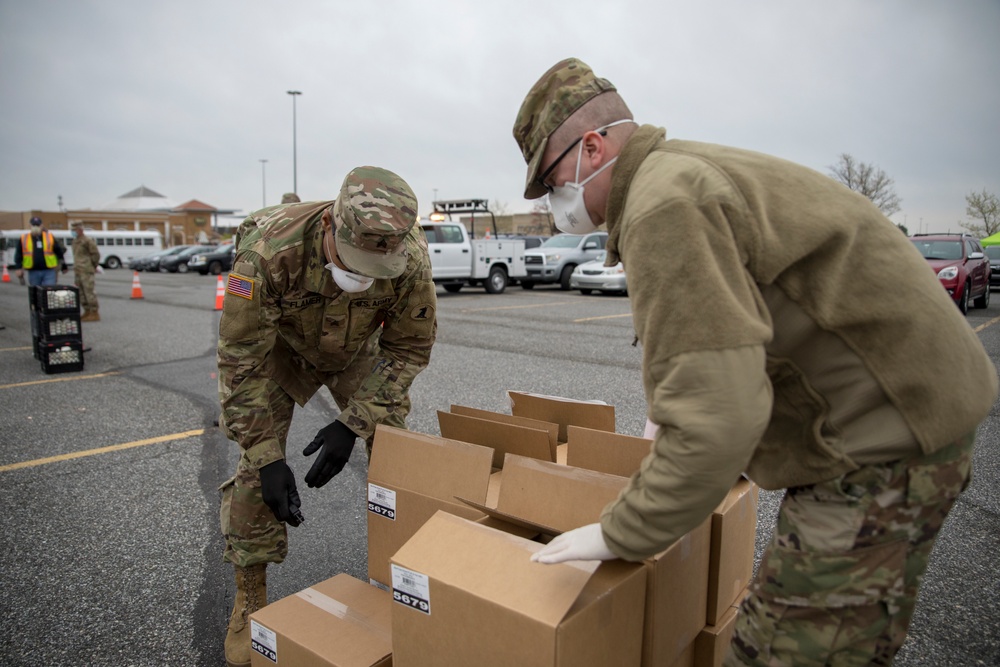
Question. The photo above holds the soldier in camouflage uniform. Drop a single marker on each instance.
(86, 258)
(321, 293)
(770, 347)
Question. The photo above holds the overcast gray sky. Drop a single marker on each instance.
(186, 97)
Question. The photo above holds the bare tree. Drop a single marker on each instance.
(499, 207)
(869, 180)
(982, 207)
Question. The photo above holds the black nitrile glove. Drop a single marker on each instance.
(337, 442)
(277, 486)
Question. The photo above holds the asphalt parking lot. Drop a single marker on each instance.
(109, 476)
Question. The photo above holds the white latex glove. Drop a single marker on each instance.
(584, 543)
(651, 429)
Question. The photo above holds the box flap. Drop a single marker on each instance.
(530, 485)
(429, 465)
(551, 428)
(563, 411)
(612, 453)
(502, 438)
(494, 566)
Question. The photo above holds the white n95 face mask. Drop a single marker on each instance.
(569, 211)
(349, 282)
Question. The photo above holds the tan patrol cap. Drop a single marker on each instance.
(373, 214)
(566, 87)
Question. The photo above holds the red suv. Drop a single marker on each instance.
(960, 265)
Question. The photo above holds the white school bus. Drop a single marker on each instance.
(117, 248)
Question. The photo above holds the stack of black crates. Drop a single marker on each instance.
(57, 338)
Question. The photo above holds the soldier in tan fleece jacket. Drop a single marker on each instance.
(789, 331)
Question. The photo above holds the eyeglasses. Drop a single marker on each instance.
(555, 163)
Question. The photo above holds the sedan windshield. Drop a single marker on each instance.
(562, 241)
(940, 249)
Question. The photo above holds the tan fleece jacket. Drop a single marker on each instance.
(789, 330)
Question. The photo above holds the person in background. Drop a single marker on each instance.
(780, 315)
(290, 198)
(40, 254)
(86, 263)
(336, 293)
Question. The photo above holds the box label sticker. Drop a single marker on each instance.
(411, 589)
(263, 641)
(382, 501)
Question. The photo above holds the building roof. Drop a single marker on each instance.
(195, 205)
(141, 199)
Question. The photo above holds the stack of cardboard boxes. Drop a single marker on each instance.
(452, 522)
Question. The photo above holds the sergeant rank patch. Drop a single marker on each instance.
(240, 286)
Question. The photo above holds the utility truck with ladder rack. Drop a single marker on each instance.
(460, 257)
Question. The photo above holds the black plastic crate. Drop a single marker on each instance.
(59, 327)
(65, 357)
(57, 299)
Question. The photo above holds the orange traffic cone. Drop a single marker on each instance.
(6, 276)
(136, 287)
(220, 294)
(487, 233)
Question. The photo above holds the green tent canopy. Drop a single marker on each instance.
(991, 240)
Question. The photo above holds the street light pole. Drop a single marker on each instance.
(295, 160)
(263, 185)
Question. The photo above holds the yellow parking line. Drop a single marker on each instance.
(102, 450)
(987, 324)
(534, 305)
(15, 349)
(67, 378)
(602, 317)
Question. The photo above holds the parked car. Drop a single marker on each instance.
(529, 241)
(993, 254)
(960, 265)
(178, 262)
(555, 260)
(594, 276)
(152, 262)
(215, 261)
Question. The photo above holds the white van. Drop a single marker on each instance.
(117, 248)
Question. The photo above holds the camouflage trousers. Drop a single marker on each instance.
(838, 582)
(252, 533)
(88, 296)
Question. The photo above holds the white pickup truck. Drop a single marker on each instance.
(457, 260)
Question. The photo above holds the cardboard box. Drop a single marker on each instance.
(713, 641)
(489, 415)
(563, 411)
(340, 622)
(676, 579)
(607, 452)
(677, 582)
(499, 436)
(410, 477)
(467, 594)
(734, 531)
(686, 657)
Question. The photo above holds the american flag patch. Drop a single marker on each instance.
(239, 286)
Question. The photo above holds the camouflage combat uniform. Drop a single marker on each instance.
(86, 257)
(286, 330)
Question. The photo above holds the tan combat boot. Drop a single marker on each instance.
(251, 595)
(91, 316)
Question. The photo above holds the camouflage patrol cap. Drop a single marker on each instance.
(374, 212)
(76, 223)
(566, 87)
(290, 198)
